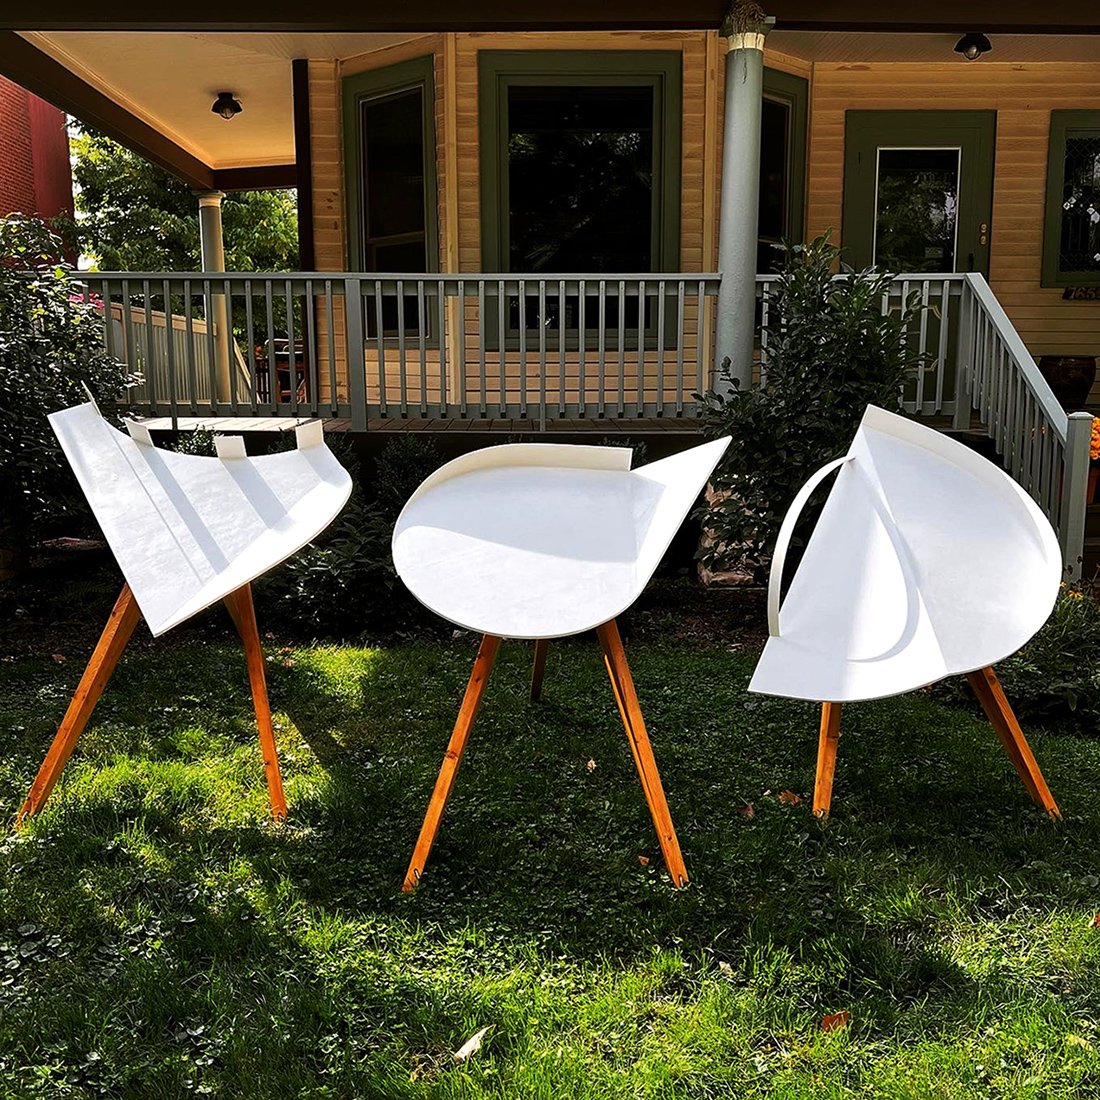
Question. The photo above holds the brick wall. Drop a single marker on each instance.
(35, 177)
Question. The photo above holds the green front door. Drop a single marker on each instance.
(918, 190)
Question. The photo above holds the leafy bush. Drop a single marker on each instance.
(50, 342)
(831, 352)
(344, 583)
(1054, 680)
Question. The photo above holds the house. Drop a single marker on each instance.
(35, 177)
(557, 217)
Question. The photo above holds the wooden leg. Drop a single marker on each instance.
(471, 701)
(826, 758)
(243, 614)
(622, 684)
(120, 625)
(538, 669)
(997, 709)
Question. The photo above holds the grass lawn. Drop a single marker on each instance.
(160, 938)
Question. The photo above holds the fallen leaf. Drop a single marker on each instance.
(1095, 922)
(591, 766)
(789, 797)
(58, 657)
(835, 1021)
(643, 860)
(471, 1046)
(748, 810)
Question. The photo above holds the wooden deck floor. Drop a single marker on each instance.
(625, 426)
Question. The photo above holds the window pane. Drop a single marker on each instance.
(917, 202)
(580, 179)
(774, 182)
(1079, 247)
(393, 156)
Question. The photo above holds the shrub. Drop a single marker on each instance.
(1055, 679)
(831, 352)
(344, 583)
(50, 342)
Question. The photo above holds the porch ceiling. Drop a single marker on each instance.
(841, 46)
(170, 79)
(485, 15)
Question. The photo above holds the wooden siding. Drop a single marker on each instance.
(1023, 95)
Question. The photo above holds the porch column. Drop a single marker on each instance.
(744, 29)
(213, 259)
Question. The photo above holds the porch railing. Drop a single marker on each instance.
(1045, 449)
(417, 346)
(423, 346)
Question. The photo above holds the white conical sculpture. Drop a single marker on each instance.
(927, 561)
(538, 541)
(189, 531)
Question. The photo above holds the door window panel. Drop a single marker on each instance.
(916, 210)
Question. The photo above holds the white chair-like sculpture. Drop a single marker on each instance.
(538, 541)
(927, 561)
(189, 531)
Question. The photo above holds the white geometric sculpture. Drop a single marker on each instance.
(189, 531)
(537, 541)
(927, 561)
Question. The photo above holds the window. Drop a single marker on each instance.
(389, 154)
(782, 165)
(580, 171)
(1071, 240)
(571, 141)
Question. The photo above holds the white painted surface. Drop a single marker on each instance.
(927, 561)
(543, 540)
(187, 530)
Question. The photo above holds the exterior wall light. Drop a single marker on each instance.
(227, 105)
(972, 46)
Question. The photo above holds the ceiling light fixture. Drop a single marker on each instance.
(972, 46)
(227, 105)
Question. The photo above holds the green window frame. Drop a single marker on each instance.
(794, 93)
(1064, 127)
(419, 72)
(498, 70)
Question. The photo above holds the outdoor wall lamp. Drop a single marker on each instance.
(972, 46)
(227, 105)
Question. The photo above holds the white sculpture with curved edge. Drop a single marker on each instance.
(189, 531)
(927, 561)
(538, 541)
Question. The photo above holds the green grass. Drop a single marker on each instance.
(159, 937)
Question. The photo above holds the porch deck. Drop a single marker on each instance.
(450, 425)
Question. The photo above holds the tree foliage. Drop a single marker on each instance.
(831, 352)
(51, 341)
(135, 216)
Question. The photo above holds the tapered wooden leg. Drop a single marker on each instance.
(120, 625)
(471, 701)
(243, 614)
(826, 758)
(538, 669)
(997, 709)
(626, 698)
